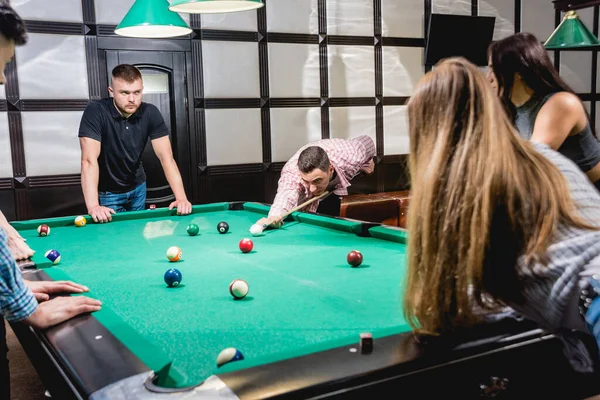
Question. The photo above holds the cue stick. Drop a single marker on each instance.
(293, 210)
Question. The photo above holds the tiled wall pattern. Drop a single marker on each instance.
(334, 68)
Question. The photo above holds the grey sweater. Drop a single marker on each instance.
(551, 290)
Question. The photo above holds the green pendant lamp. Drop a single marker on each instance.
(571, 34)
(214, 6)
(152, 19)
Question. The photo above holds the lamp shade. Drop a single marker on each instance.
(214, 6)
(571, 34)
(152, 19)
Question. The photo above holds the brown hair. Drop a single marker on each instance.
(313, 157)
(126, 72)
(480, 198)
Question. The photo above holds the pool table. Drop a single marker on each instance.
(298, 328)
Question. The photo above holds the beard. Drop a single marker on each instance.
(127, 110)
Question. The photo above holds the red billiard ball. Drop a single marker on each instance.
(246, 245)
(153, 206)
(354, 258)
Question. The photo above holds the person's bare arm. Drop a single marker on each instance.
(562, 115)
(90, 172)
(162, 149)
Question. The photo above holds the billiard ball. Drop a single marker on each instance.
(172, 277)
(229, 355)
(153, 206)
(223, 227)
(354, 258)
(43, 230)
(193, 229)
(53, 256)
(246, 245)
(80, 221)
(238, 289)
(174, 253)
(256, 230)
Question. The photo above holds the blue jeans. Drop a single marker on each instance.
(133, 200)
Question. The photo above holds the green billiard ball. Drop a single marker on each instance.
(193, 229)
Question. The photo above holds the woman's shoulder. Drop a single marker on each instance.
(563, 102)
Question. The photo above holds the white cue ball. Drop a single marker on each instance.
(256, 230)
(238, 289)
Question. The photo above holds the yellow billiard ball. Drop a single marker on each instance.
(80, 221)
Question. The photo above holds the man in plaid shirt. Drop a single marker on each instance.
(19, 298)
(325, 165)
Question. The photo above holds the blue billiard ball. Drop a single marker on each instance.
(53, 256)
(172, 277)
(228, 355)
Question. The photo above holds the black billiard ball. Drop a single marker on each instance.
(223, 227)
(354, 258)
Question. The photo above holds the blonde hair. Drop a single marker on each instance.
(480, 198)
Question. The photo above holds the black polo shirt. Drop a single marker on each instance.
(123, 142)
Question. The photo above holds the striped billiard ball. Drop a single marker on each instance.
(43, 230)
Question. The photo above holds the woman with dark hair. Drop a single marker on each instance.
(542, 106)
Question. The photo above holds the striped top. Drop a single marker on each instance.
(347, 156)
(17, 302)
(551, 291)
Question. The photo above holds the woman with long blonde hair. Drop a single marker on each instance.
(494, 220)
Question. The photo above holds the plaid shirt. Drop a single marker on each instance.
(347, 157)
(17, 302)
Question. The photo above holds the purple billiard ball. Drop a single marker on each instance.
(53, 256)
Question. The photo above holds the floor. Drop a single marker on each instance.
(24, 381)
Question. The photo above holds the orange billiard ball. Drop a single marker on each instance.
(174, 253)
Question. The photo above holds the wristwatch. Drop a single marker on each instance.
(588, 294)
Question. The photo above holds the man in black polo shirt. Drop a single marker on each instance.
(113, 134)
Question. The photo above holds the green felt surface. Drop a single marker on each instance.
(303, 295)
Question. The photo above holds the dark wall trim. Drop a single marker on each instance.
(53, 105)
(352, 101)
(273, 37)
(351, 40)
(15, 131)
(294, 102)
(54, 180)
(228, 103)
(89, 11)
(6, 183)
(235, 169)
(123, 43)
(95, 81)
(395, 101)
(12, 82)
(231, 36)
(59, 28)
